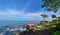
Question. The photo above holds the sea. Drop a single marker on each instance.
(11, 24)
(14, 24)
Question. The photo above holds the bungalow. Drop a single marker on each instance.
(58, 18)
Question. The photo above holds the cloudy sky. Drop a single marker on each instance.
(23, 10)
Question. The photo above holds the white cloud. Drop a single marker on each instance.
(3, 13)
(22, 15)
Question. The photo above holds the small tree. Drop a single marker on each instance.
(54, 17)
(44, 16)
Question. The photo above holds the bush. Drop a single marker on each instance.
(52, 29)
(56, 33)
(58, 27)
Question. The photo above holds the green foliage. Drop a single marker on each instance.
(58, 21)
(44, 23)
(53, 16)
(58, 27)
(32, 31)
(51, 5)
(56, 33)
(54, 22)
(44, 15)
(53, 29)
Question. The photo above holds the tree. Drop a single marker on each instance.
(51, 5)
(44, 16)
(54, 17)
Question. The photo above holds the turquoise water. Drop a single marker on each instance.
(17, 23)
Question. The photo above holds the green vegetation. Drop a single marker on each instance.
(58, 27)
(44, 16)
(55, 33)
(51, 5)
(54, 6)
(53, 26)
(44, 23)
(54, 17)
(46, 27)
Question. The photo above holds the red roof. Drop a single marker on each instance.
(30, 25)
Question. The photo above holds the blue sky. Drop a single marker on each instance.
(23, 10)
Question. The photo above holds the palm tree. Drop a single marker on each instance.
(44, 16)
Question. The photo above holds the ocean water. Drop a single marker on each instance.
(17, 23)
